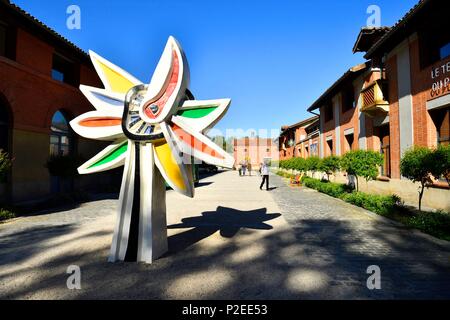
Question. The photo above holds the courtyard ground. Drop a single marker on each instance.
(232, 241)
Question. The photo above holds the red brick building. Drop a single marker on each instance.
(397, 99)
(415, 58)
(300, 139)
(40, 72)
(254, 150)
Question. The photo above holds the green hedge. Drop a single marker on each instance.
(383, 205)
(333, 189)
(391, 206)
(376, 203)
(434, 223)
(5, 214)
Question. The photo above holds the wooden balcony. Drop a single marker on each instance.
(374, 101)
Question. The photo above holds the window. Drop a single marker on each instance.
(313, 150)
(64, 70)
(60, 140)
(4, 127)
(434, 42)
(445, 51)
(57, 75)
(2, 40)
(349, 142)
(329, 147)
(348, 99)
(328, 111)
(441, 119)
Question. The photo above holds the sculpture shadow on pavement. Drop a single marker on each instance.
(227, 221)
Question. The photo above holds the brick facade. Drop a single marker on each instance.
(31, 96)
(254, 150)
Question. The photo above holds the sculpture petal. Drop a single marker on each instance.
(170, 163)
(113, 77)
(102, 99)
(203, 114)
(99, 125)
(198, 145)
(168, 85)
(111, 157)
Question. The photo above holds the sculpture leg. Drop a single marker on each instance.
(140, 233)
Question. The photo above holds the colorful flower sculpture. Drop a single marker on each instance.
(158, 125)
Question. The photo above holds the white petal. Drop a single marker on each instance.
(102, 99)
(195, 144)
(103, 132)
(208, 121)
(87, 167)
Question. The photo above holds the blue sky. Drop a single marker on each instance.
(272, 58)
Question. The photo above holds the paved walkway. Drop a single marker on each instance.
(338, 241)
(232, 241)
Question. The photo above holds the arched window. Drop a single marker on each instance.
(60, 139)
(4, 127)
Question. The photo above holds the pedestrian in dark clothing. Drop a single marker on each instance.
(265, 175)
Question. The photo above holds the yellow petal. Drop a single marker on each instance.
(176, 174)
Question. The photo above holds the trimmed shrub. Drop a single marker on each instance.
(6, 214)
(434, 223)
(5, 165)
(312, 164)
(330, 165)
(440, 163)
(416, 165)
(333, 189)
(362, 163)
(380, 204)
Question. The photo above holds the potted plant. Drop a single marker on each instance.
(5, 167)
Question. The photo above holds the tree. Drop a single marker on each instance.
(5, 165)
(362, 163)
(330, 165)
(299, 164)
(440, 163)
(416, 165)
(312, 164)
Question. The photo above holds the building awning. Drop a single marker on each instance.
(367, 37)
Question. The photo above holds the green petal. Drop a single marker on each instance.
(197, 112)
(112, 155)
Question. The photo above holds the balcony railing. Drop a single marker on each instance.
(373, 99)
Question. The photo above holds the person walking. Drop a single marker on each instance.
(249, 168)
(265, 175)
(244, 167)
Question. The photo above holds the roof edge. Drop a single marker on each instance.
(297, 124)
(45, 28)
(352, 71)
(395, 28)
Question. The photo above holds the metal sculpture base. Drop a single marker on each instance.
(140, 233)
